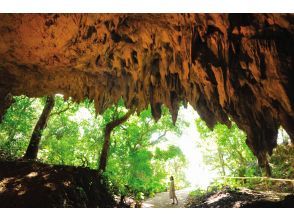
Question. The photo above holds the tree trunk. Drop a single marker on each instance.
(5, 102)
(264, 164)
(107, 133)
(222, 162)
(268, 171)
(32, 150)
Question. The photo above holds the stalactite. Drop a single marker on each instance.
(225, 65)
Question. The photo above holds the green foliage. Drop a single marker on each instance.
(136, 163)
(282, 159)
(18, 123)
(225, 150)
(74, 136)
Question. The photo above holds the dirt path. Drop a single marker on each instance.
(162, 200)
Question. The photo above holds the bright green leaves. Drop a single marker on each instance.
(18, 123)
(135, 163)
(225, 150)
(74, 136)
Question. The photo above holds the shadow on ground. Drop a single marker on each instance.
(33, 184)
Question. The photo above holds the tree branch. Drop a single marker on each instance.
(158, 139)
(61, 111)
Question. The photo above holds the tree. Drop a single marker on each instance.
(32, 150)
(62, 141)
(17, 125)
(107, 132)
(138, 161)
(282, 160)
(225, 150)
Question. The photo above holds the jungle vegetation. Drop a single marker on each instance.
(126, 147)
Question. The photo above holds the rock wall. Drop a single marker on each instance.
(234, 66)
(6, 100)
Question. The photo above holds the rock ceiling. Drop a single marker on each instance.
(237, 66)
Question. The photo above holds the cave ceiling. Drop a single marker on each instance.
(226, 66)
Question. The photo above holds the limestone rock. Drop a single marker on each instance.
(236, 66)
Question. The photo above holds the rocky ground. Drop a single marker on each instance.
(33, 184)
(226, 198)
(242, 198)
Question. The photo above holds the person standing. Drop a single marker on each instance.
(172, 191)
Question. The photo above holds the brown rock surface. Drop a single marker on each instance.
(225, 65)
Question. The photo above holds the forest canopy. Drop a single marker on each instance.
(74, 136)
(137, 160)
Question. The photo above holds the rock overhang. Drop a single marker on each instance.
(236, 66)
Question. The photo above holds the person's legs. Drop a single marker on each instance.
(176, 199)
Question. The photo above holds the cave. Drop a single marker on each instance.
(228, 67)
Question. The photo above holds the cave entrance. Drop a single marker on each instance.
(141, 154)
(196, 172)
(222, 155)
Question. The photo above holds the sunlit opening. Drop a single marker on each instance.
(196, 172)
(82, 114)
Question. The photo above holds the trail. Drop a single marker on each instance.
(162, 200)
